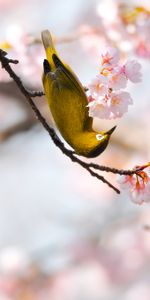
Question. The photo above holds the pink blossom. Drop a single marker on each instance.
(143, 49)
(126, 181)
(132, 70)
(118, 103)
(99, 108)
(117, 79)
(137, 186)
(17, 44)
(141, 194)
(108, 99)
(8, 4)
(98, 86)
(110, 57)
(110, 106)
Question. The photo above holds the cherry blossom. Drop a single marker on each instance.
(110, 106)
(98, 86)
(143, 49)
(17, 44)
(136, 22)
(137, 186)
(110, 56)
(132, 70)
(119, 104)
(99, 108)
(125, 25)
(107, 100)
(117, 79)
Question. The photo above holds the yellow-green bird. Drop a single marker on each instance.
(68, 104)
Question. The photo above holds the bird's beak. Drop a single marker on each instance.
(109, 132)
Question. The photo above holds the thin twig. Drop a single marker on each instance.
(71, 154)
(36, 93)
(116, 171)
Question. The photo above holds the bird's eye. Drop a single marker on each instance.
(99, 136)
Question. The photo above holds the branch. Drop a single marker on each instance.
(116, 171)
(71, 154)
(35, 93)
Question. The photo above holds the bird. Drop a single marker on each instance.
(68, 104)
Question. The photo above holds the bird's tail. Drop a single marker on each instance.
(49, 47)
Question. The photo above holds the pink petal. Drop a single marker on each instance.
(132, 70)
(110, 56)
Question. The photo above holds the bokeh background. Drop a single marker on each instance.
(64, 234)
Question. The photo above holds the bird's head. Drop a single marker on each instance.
(102, 142)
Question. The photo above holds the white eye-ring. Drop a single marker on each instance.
(99, 136)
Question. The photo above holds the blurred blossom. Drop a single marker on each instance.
(107, 10)
(18, 45)
(124, 24)
(92, 41)
(132, 70)
(7, 3)
(87, 281)
(16, 37)
(136, 20)
(138, 291)
(143, 49)
(13, 261)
